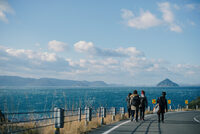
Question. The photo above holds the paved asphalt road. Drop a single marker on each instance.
(175, 123)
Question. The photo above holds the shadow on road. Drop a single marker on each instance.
(159, 130)
(149, 122)
(180, 122)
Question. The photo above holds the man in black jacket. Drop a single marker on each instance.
(2, 118)
(143, 105)
(162, 106)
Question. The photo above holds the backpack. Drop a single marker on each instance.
(135, 101)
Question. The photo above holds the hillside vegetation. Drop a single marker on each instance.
(195, 102)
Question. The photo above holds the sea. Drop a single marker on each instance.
(22, 99)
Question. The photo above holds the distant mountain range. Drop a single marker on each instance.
(167, 83)
(20, 81)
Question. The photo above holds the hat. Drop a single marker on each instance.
(135, 92)
(142, 92)
(164, 93)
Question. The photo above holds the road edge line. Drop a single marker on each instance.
(195, 119)
(113, 128)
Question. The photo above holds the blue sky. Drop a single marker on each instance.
(132, 42)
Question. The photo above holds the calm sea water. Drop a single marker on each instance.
(16, 99)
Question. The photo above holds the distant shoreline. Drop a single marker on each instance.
(104, 86)
(44, 82)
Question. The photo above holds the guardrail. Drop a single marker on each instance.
(13, 123)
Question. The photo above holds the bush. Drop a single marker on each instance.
(195, 102)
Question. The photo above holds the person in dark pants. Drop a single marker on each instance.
(128, 104)
(135, 102)
(162, 106)
(2, 118)
(143, 105)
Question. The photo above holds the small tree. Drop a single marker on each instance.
(195, 102)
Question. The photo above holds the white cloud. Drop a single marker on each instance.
(175, 28)
(168, 16)
(70, 61)
(4, 9)
(126, 14)
(3, 17)
(187, 71)
(44, 56)
(89, 48)
(31, 63)
(48, 56)
(167, 13)
(133, 66)
(57, 46)
(153, 68)
(193, 6)
(110, 61)
(131, 51)
(83, 46)
(144, 21)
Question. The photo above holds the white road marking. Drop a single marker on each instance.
(106, 132)
(113, 128)
(195, 119)
(110, 130)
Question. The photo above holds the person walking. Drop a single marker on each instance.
(135, 102)
(2, 118)
(128, 104)
(162, 106)
(143, 105)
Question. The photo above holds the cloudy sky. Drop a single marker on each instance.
(130, 42)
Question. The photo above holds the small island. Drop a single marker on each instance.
(167, 83)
